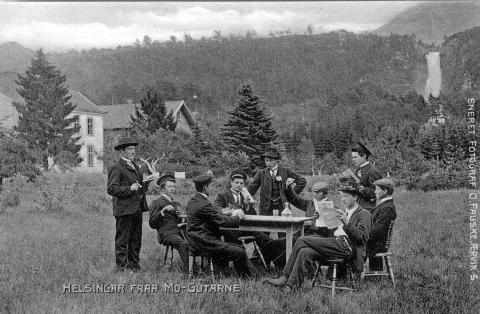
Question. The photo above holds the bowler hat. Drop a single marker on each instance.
(360, 148)
(320, 186)
(240, 174)
(351, 188)
(203, 179)
(271, 153)
(169, 176)
(125, 142)
(384, 183)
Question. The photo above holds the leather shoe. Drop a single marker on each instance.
(276, 282)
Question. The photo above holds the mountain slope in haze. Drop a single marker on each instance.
(431, 22)
(14, 57)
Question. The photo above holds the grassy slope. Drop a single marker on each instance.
(43, 250)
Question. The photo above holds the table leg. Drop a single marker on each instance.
(289, 242)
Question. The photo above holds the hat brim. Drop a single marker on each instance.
(165, 178)
(123, 145)
(271, 156)
(363, 148)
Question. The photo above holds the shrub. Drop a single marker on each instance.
(10, 195)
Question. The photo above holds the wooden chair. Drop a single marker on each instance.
(385, 260)
(334, 262)
(252, 239)
(193, 254)
(168, 248)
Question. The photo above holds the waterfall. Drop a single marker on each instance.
(434, 80)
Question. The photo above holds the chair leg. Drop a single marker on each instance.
(210, 261)
(390, 270)
(334, 278)
(350, 275)
(171, 256)
(315, 275)
(260, 253)
(166, 256)
(191, 260)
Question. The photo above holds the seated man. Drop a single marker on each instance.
(349, 242)
(164, 217)
(312, 208)
(382, 216)
(203, 228)
(233, 199)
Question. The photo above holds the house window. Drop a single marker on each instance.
(90, 155)
(90, 126)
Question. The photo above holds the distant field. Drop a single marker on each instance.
(72, 243)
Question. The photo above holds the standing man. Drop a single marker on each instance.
(367, 174)
(382, 216)
(349, 242)
(164, 216)
(272, 183)
(125, 185)
(312, 208)
(203, 228)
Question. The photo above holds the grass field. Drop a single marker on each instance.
(62, 233)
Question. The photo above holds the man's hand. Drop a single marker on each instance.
(168, 207)
(316, 215)
(227, 211)
(289, 181)
(136, 186)
(343, 218)
(239, 213)
(180, 211)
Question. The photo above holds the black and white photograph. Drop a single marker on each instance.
(239, 157)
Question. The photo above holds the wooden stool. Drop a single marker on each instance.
(334, 263)
(192, 256)
(252, 239)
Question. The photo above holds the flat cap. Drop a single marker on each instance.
(360, 148)
(384, 183)
(238, 174)
(204, 179)
(320, 186)
(168, 176)
(125, 142)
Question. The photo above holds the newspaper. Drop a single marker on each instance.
(348, 175)
(328, 215)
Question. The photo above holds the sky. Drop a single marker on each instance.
(63, 26)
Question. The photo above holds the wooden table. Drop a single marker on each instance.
(289, 225)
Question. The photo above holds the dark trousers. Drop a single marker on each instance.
(237, 255)
(178, 243)
(128, 241)
(309, 249)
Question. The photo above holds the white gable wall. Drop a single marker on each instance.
(95, 140)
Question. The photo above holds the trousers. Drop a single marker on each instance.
(128, 241)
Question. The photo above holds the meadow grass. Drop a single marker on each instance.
(62, 233)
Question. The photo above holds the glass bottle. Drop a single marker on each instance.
(287, 212)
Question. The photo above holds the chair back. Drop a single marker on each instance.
(389, 235)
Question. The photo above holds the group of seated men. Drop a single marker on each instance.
(369, 209)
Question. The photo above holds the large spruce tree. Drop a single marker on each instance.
(249, 128)
(152, 115)
(44, 121)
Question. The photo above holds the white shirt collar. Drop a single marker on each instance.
(382, 200)
(167, 197)
(364, 164)
(351, 211)
(235, 192)
(274, 169)
(204, 195)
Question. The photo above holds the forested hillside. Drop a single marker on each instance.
(285, 69)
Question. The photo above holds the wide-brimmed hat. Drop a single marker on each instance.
(360, 148)
(125, 142)
(238, 174)
(168, 176)
(384, 183)
(320, 186)
(271, 153)
(350, 188)
(203, 179)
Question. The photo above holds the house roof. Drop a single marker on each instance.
(83, 104)
(119, 116)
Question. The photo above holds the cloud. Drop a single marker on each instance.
(84, 25)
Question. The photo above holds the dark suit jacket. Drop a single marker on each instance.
(358, 230)
(165, 225)
(263, 180)
(367, 175)
(120, 178)
(225, 198)
(382, 216)
(203, 224)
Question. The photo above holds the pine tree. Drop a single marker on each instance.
(152, 115)
(45, 120)
(249, 128)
